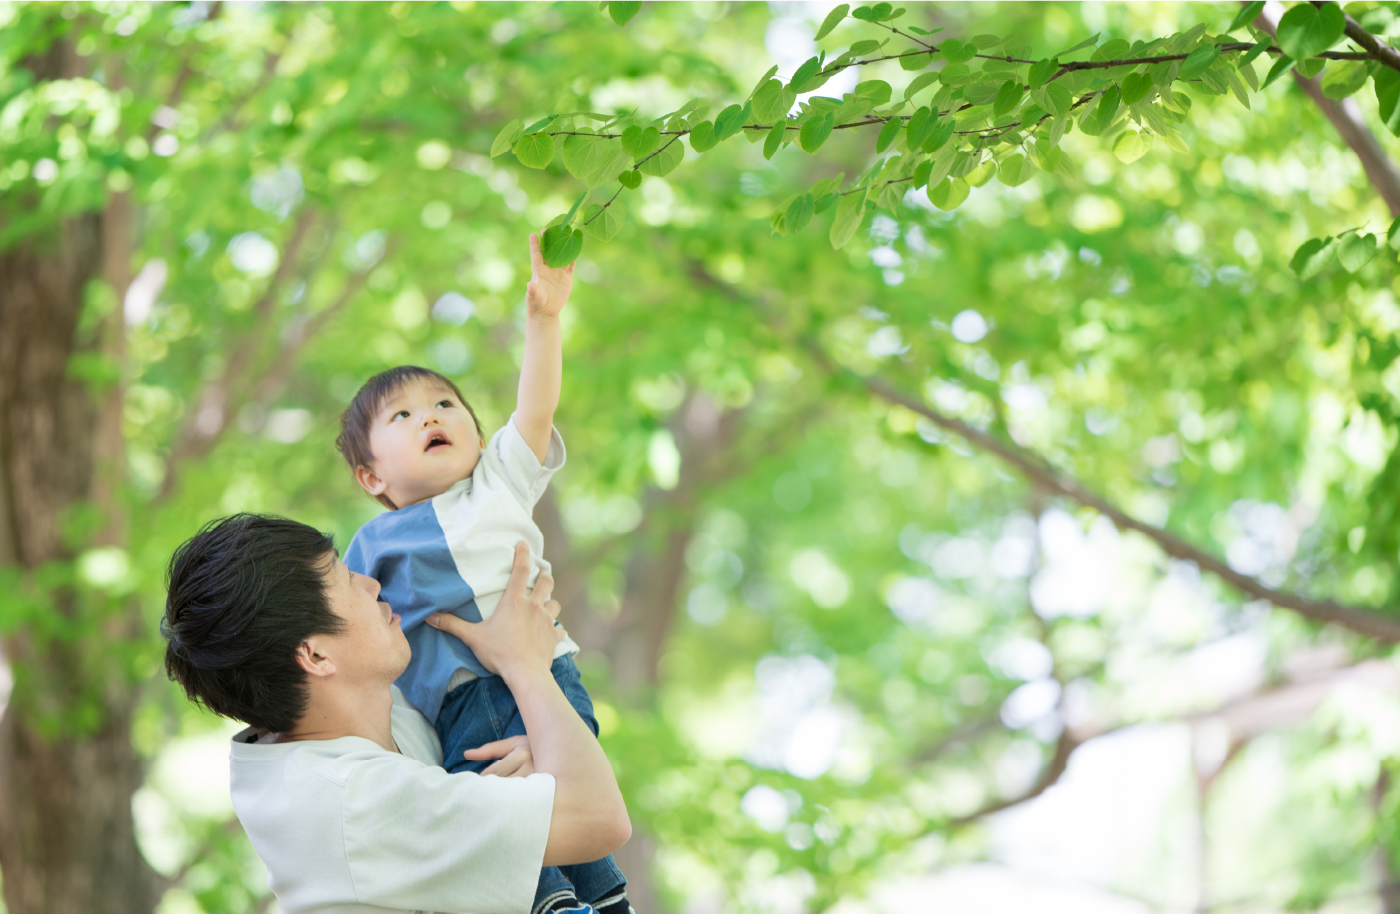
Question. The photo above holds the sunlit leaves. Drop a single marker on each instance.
(888, 133)
(955, 51)
(664, 160)
(772, 102)
(815, 132)
(948, 193)
(1344, 78)
(507, 138)
(730, 121)
(921, 124)
(703, 137)
(1355, 250)
(535, 150)
(1312, 256)
(622, 11)
(640, 141)
(1199, 60)
(1015, 170)
(561, 245)
(1007, 97)
(604, 224)
(1135, 88)
(799, 212)
(1131, 146)
(1388, 98)
(630, 179)
(1306, 31)
(850, 210)
(1248, 13)
(832, 20)
(1041, 71)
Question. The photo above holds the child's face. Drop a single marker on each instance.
(423, 440)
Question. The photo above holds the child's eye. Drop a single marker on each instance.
(444, 403)
(402, 412)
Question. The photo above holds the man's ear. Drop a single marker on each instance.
(370, 482)
(310, 658)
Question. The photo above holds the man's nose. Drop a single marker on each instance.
(369, 583)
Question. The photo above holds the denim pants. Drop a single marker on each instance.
(483, 711)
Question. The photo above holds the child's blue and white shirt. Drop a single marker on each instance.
(454, 553)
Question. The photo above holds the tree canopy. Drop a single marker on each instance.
(862, 409)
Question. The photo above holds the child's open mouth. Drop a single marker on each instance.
(437, 441)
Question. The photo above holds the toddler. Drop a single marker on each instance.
(458, 506)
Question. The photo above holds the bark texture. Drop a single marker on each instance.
(67, 840)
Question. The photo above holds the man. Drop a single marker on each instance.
(337, 781)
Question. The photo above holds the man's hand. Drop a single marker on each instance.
(549, 288)
(512, 754)
(520, 636)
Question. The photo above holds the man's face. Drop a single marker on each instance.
(372, 646)
(423, 440)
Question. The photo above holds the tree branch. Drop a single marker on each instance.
(1376, 49)
(1347, 119)
(1042, 473)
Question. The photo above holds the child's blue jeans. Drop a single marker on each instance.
(483, 711)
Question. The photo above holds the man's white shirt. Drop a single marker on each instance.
(345, 826)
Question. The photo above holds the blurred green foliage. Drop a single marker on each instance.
(316, 183)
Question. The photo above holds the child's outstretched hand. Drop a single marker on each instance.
(549, 288)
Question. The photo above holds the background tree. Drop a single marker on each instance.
(218, 220)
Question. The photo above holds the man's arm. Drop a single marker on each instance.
(589, 818)
(543, 367)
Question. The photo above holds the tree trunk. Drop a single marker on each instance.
(67, 840)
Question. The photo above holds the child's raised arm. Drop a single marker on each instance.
(540, 374)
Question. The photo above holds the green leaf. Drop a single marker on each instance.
(880, 12)
(540, 124)
(506, 138)
(921, 124)
(954, 74)
(773, 102)
(594, 160)
(1041, 71)
(815, 132)
(1007, 98)
(940, 134)
(1355, 250)
(1248, 14)
(569, 217)
(985, 42)
(922, 173)
(832, 20)
(850, 212)
(1132, 146)
(861, 48)
(1392, 236)
(876, 91)
(774, 141)
(1083, 44)
(1135, 88)
(561, 245)
(1279, 68)
(955, 51)
(918, 83)
(1255, 51)
(640, 141)
(1344, 78)
(888, 133)
(630, 179)
(1311, 66)
(1015, 170)
(535, 150)
(703, 137)
(730, 120)
(1312, 256)
(604, 224)
(799, 212)
(1058, 99)
(622, 11)
(1199, 60)
(1107, 108)
(915, 61)
(949, 193)
(1112, 49)
(863, 13)
(1306, 31)
(664, 161)
(981, 174)
(762, 82)
(810, 71)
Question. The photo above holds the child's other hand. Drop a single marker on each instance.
(549, 288)
(512, 754)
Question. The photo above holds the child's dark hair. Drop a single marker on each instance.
(242, 595)
(355, 422)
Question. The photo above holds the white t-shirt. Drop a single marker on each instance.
(347, 827)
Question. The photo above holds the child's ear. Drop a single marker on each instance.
(369, 481)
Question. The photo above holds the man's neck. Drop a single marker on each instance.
(333, 713)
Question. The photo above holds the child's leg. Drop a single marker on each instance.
(480, 712)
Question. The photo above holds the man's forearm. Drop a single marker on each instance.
(540, 377)
(590, 817)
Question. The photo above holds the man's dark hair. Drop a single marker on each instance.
(355, 422)
(243, 594)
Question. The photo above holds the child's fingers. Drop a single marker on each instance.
(536, 258)
(497, 749)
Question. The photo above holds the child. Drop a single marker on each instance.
(458, 506)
